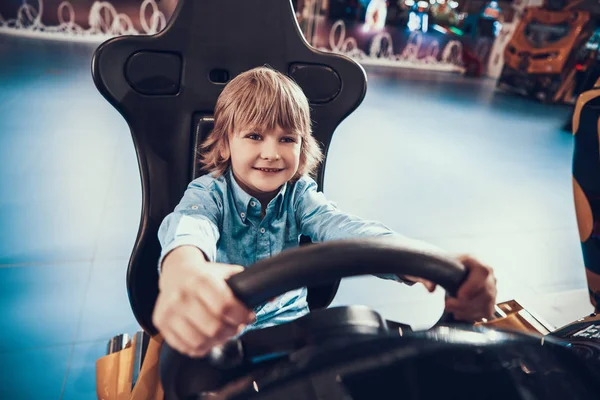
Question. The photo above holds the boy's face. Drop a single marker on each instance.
(262, 161)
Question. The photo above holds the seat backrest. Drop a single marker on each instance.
(586, 185)
(166, 87)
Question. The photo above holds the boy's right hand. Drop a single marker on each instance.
(196, 310)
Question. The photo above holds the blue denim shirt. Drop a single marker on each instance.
(223, 221)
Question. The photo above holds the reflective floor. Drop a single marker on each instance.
(434, 156)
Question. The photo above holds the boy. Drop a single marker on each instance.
(255, 202)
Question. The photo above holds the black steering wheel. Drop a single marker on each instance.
(183, 376)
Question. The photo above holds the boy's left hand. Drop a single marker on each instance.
(476, 297)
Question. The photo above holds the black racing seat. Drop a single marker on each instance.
(166, 87)
(586, 185)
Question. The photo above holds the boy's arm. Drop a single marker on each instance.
(194, 222)
(321, 220)
(196, 309)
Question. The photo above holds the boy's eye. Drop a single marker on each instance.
(253, 136)
(288, 139)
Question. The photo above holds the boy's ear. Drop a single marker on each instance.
(224, 152)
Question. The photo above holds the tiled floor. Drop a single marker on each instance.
(434, 156)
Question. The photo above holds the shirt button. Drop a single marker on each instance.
(253, 203)
(243, 215)
(262, 230)
(194, 207)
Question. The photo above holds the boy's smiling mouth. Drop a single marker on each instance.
(268, 169)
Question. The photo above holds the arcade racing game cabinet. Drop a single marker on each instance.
(166, 87)
(541, 57)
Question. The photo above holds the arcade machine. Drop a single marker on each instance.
(541, 57)
(346, 353)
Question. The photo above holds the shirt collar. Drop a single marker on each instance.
(280, 197)
(243, 199)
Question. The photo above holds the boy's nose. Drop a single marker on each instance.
(270, 156)
(269, 152)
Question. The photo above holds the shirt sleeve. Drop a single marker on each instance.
(321, 220)
(195, 221)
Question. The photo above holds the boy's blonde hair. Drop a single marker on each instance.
(264, 99)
